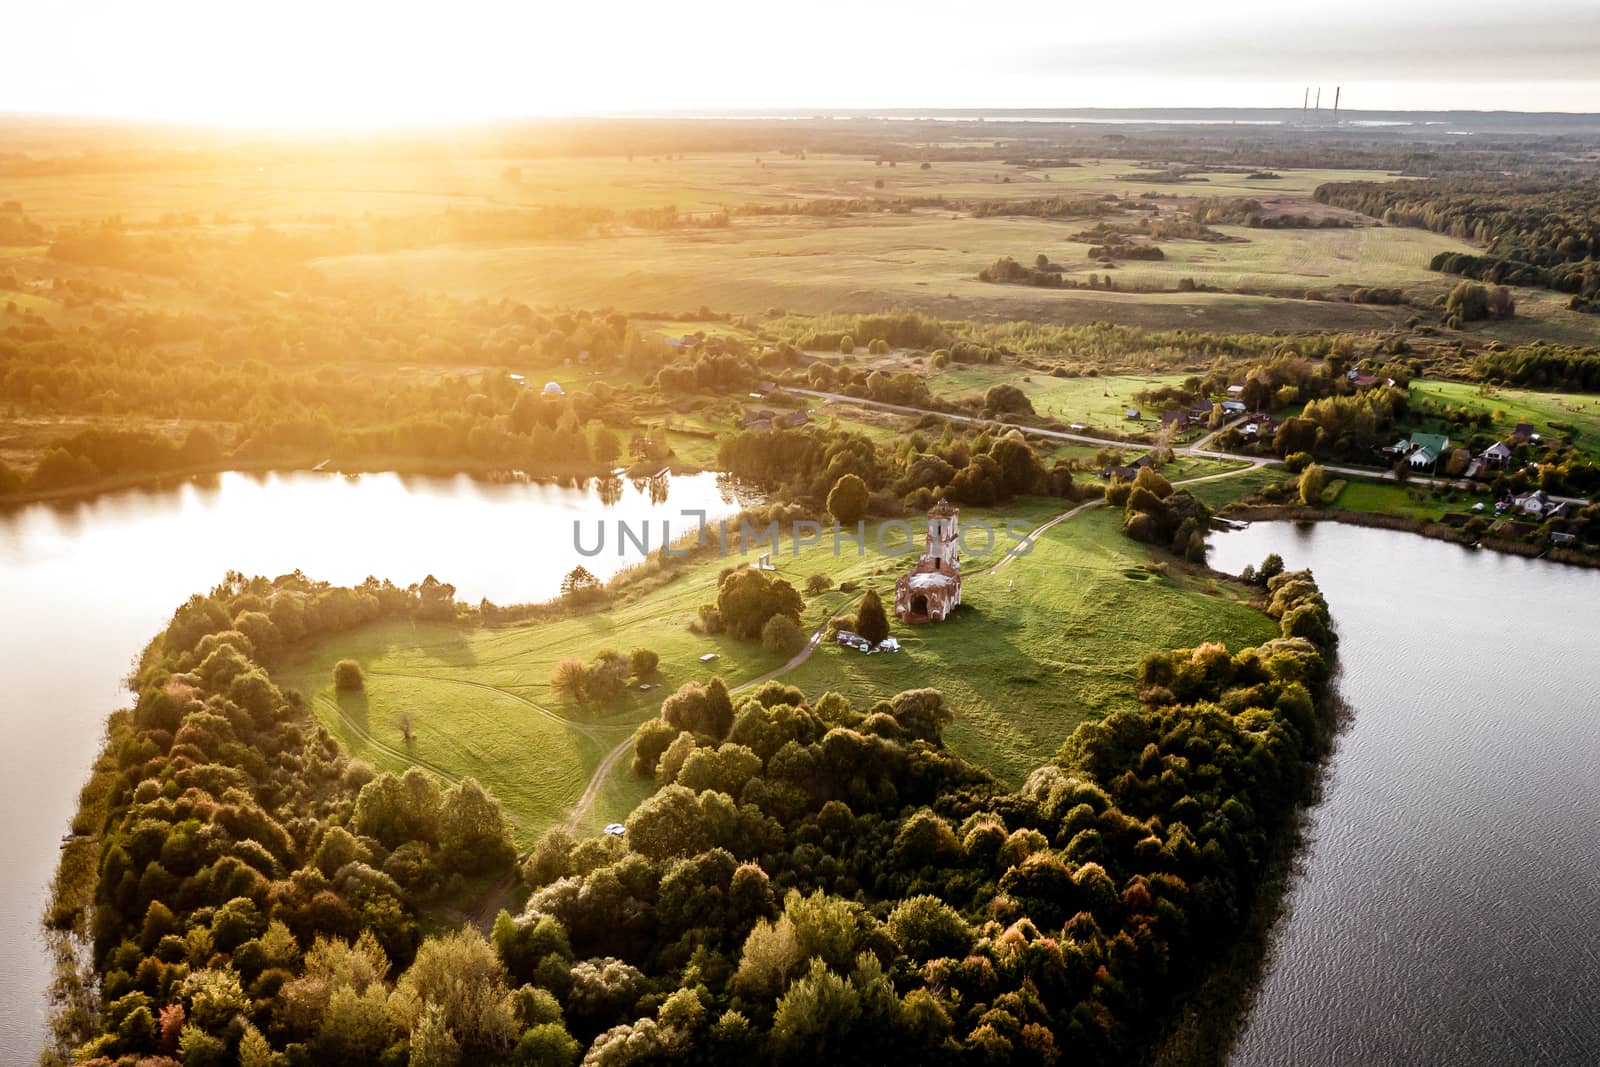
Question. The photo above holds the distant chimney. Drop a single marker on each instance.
(1319, 98)
(1305, 101)
(1336, 101)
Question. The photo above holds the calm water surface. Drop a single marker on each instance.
(1447, 904)
(83, 587)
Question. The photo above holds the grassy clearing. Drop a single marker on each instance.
(1047, 641)
(1098, 402)
(929, 259)
(1578, 412)
(1044, 643)
(1412, 501)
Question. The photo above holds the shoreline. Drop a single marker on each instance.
(373, 465)
(1437, 531)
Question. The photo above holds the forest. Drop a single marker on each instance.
(1534, 232)
(810, 880)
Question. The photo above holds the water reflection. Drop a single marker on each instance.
(1443, 911)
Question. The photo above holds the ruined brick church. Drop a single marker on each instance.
(932, 588)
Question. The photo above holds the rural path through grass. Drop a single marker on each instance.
(1017, 551)
(596, 780)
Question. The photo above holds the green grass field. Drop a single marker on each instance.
(929, 259)
(1050, 639)
(1098, 402)
(1580, 413)
(1412, 501)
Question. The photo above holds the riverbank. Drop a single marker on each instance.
(1437, 531)
(317, 463)
(1439, 911)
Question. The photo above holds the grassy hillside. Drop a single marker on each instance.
(1048, 640)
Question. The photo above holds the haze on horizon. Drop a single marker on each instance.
(297, 62)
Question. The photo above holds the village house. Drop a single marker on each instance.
(1523, 433)
(1177, 420)
(932, 588)
(1201, 411)
(1540, 506)
(1426, 449)
(1129, 472)
(1234, 407)
(1497, 457)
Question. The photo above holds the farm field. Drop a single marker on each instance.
(1054, 637)
(278, 181)
(1098, 402)
(927, 260)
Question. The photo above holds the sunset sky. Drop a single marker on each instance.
(294, 61)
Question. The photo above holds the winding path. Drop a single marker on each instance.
(590, 791)
(1017, 551)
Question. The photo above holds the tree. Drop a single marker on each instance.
(848, 500)
(642, 662)
(579, 584)
(570, 679)
(347, 676)
(872, 622)
(1005, 399)
(1312, 482)
(782, 635)
(747, 598)
(1468, 302)
(847, 345)
(459, 976)
(928, 928)
(473, 835)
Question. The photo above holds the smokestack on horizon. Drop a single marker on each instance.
(1336, 101)
(1319, 98)
(1305, 101)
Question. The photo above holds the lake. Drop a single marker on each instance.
(1444, 908)
(86, 584)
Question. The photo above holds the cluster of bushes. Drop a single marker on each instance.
(1125, 250)
(822, 466)
(1007, 271)
(603, 679)
(1542, 366)
(1471, 302)
(1153, 513)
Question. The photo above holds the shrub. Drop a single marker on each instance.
(642, 662)
(1297, 461)
(871, 620)
(347, 676)
(782, 635)
(848, 500)
(570, 679)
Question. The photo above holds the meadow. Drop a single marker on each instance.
(1552, 415)
(1048, 640)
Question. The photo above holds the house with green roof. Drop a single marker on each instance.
(1426, 449)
